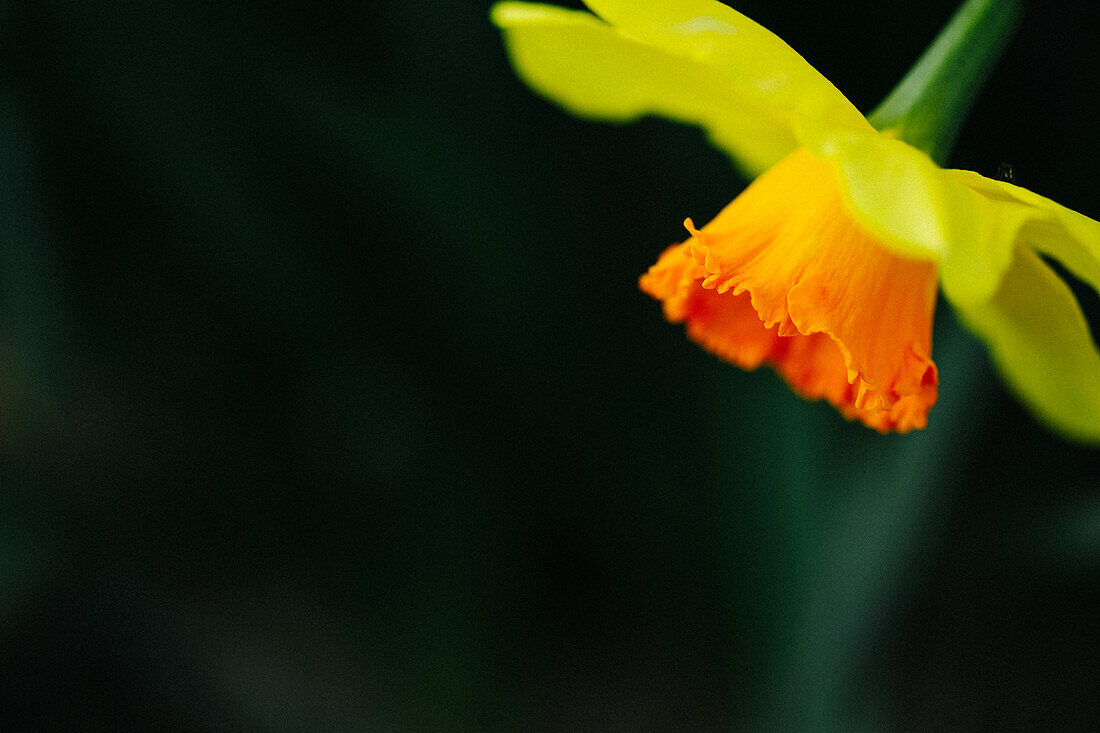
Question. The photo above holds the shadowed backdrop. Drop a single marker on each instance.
(328, 401)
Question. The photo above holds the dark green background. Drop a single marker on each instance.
(328, 402)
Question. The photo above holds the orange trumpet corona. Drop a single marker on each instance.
(785, 276)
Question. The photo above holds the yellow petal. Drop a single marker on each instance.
(1071, 238)
(1040, 342)
(768, 71)
(696, 62)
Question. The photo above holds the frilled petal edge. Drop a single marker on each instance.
(784, 276)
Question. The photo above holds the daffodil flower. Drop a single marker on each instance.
(827, 266)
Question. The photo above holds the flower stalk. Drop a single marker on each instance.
(928, 106)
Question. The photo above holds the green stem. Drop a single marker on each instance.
(865, 553)
(928, 106)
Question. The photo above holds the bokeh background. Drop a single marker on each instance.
(328, 402)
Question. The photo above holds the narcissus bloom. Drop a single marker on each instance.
(827, 266)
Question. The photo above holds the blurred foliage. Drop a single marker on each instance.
(328, 402)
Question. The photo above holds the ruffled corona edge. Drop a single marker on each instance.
(784, 276)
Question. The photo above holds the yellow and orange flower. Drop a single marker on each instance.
(827, 266)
